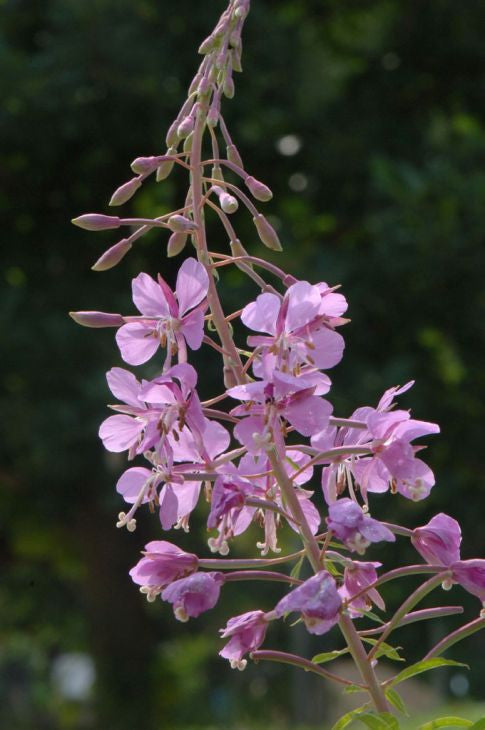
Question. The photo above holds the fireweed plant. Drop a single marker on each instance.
(250, 452)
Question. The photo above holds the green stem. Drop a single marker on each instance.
(298, 661)
(456, 636)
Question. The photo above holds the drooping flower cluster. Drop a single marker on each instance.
(251, 460)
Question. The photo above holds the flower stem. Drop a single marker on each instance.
(299, 661)
(455, 636)
(261, 575)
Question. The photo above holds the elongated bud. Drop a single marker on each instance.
(188, 141)
(96, 222)
(185, 127)
(181, 224)
(194, 84)
(97, 319)
(237, 249)
(172, 137)
(207, 45)
(216, 173)
(228, 87)
(143, 165)
(233, 155)
(213, 114)
(236, 59)
(176, 243)
(258, 190)
(204, 86)
(267, 233)
(125, 192)
(164, 170)
(113, 255)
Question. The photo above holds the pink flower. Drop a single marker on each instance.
(357, 576)
(439, 541)
(169, 319)
(193, 595)
(354, 528)
(300, 327)
(247, 633)
(268, 402)
(470, 574)
(318, 601)
(162, 563)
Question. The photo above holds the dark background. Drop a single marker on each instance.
(385, 195)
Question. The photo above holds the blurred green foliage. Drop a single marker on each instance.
(385, 194)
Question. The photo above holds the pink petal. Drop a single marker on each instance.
(329, 348)
(187, 497)
(261, 315)
(124, 386)
(192, 285)
(303, 305)
(118, 433)
(245, 429)
(131, 482)
(193, 328)
(168, 507)
(148, 296)
(309, 415)
(137, 342)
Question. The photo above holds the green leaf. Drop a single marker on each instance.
(296, 569)
(373, 617)
(351, 689)
(379, 721)
(424, 666)
(396, 700)
(332, 568)
(328, 656)
(385, 650)
(446, 722)
(479, 724)
(347, 719)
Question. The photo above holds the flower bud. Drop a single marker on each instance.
(185, 127)
(113, 255)
(258, 190)
(228, 87)
(143, 165)
(228, 203)
(96, 222)
(207, 45)
(233, 155)
(166, 167)
(194, 84)
(172, 137)
(267, 233)
(181, 224)
(97, 319)
(236, 59)
(176, 243)
(125, 192)
(188, 142)
(216, 173)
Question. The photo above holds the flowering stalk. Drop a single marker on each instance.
(276, 383)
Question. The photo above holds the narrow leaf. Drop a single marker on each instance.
(381, 721)
(351, 689)
(347, 719)
(424, 666)
(295, 571)
(446, 722)
(328, 656)
(396, 701)
(386, 650)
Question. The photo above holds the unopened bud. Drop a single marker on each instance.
(113, 255)
(207, 45)
(97, 319)
(125, 192)
(213, 113)
(228, 203)
(204, 86)
(236, 59)
(216, 173)
(185, 127)
(166, 167)
(172, 137)
(258, 190)
(230, 379)
(241, 12)
(143, 165)
(233, 155)
(194, 84)
(237, 249)
(188, 143)
(176, 243)
(96, 222)
(267, 233)
(228, 87)
(180, 224)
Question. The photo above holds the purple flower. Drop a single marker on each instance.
(318, 601)
(354, 528)
(439, 541)
(193, 595)
(162, 563)
(470, 574)
(246, 633)
(267, 402)
(357, 576)
(300, 327)
(167, 319)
